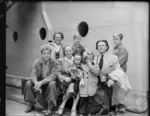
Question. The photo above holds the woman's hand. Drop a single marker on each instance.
(67, 79)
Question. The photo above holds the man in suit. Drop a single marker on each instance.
(42, 85)
(112, 79)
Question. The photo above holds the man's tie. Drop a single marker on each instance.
(101, 62)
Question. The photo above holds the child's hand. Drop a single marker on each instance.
(110, 82)
(67, 79)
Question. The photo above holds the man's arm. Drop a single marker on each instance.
(34, 73)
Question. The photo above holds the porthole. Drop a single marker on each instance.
(15, 36)
(83, 28)
(42, 33)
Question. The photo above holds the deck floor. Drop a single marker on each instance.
(15, 106)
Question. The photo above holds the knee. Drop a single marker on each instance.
(52, 84)
(28, 83)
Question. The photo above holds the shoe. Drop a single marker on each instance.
(29, 108)
(73, 113)
(121, 108)
(60, 111)
(89, 115)
(103, 111)
(47, 112)
(81, 115)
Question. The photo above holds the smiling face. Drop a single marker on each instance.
(68, 51)
(117, 40)
(58, 39)
(46, 55)
(102, 48)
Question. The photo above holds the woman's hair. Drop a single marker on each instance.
(105, 41)
(65, 48)
(62, 35)
(120, 36)
(45, 47)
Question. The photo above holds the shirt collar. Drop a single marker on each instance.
(42, 61)
(119, 46)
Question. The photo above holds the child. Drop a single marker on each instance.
(88, 86)
(76, 73)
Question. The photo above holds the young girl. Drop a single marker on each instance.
(87, 88)
(76, 73)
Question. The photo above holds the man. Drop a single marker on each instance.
(43, 85)
(113, 81)
(120, 51)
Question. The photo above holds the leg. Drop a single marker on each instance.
(41, 97)
(61, 107)
(74, 107)
(76, 88)
(29, 95)
(90, 105)
(118, 97)
(82, 105)
(103, 96)
(51, 95)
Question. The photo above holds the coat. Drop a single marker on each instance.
(90, 83)
(37, 71)
(111, 69)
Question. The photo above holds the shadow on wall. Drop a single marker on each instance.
(26, 11)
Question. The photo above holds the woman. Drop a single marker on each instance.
(65, 76)
(112, 79)
(57, 51)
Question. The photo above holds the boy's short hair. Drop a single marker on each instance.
(78, 54)
(120, 35)
(45, 47)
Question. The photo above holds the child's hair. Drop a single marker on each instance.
(45, 47)
(78, 54)
(86, 54)
(65, 48)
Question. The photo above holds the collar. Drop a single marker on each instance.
(118, 46)
(104, 55)
(41, 61)
(77, 46)
(69, 60)
(57, 47)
